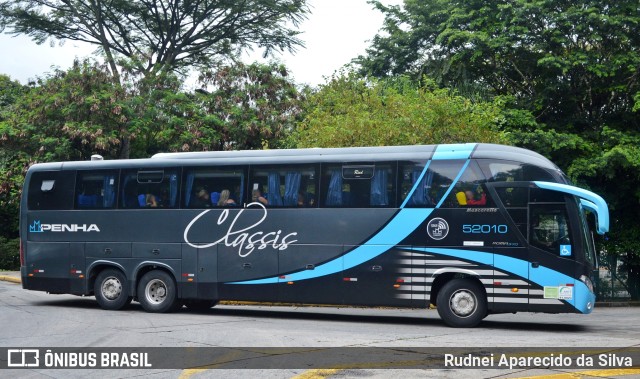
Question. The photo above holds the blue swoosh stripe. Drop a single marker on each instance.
(543, 276)
(454, 151)
(399, 228)
(403, 224)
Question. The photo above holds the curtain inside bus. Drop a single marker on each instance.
(421, 195)
(379, 196)
(334, 193)
(275, 200)
(292, 188)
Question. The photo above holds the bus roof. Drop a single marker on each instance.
(316, 155)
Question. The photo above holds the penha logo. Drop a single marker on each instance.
(38, 227)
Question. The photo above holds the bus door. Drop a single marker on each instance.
(547, 222)
(556, 249)
(512, 260)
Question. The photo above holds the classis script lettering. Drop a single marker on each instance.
(247, 239)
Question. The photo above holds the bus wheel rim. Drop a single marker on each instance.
(463, 303)
(111, 288)
(156, 291)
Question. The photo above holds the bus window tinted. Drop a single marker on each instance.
(96, 189)
(427, 188)
(550, 229)
(516, 201)
(284, 186)
(505, 171)
(444, 173)
(359, 185)
(51, 190)
(469, 191)
(149, 189)
(415, 185)
(212, 187)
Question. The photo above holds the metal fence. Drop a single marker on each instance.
(612, 279)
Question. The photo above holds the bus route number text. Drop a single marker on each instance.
(484, 229)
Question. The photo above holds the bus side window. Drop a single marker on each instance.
(444, 173)
(507, 171)
(51, 190)
(359, 185)
(415, 185)
(96, 189)
(469, 191)
(153, 188)
(292, 186)
(550, 229)
(516, 201)
(204, 186)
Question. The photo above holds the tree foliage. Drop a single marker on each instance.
(257, 105)
(76, 113)
(573, 65)
(353, 111)
(157, 37)
(70, 116)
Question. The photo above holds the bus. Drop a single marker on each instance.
(472, 229)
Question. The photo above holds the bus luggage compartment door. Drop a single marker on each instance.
(201, 265)
(47, 266)
(237, 270)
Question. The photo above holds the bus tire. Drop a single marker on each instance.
(157, 292)
(462, 303)
(199, 305)
(111, 290)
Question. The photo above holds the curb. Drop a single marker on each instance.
(618, 304)
(10, 279)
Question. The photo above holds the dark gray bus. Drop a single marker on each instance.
(473, 229)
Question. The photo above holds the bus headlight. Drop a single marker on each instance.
(584, 279)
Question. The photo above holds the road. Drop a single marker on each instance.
(36, 319)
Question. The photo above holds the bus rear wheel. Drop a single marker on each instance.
(462, 303)
(157, 292)
(112, 290)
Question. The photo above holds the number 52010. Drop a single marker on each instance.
(484, 229)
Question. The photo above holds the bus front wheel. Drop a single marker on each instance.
(111, 289)
(157, 292)
(462, 303)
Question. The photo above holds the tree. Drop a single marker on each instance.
(76, 113)
(10, 93)
(354, 111)
(257, 106)
(69, 116)
(573, 65)
(159, 36)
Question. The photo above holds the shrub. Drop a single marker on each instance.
(9, 254)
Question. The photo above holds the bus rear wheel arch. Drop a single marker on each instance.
(111, 289)
(158, 293)
(462, 303)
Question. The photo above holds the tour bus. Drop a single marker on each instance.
(472, 229)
